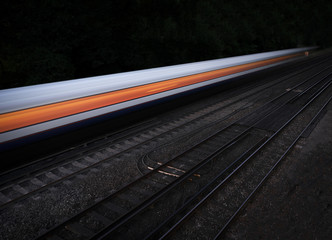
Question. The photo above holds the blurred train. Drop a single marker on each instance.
(32, 113)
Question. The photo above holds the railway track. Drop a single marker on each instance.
(204, 144)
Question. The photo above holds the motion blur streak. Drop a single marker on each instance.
(27, 117)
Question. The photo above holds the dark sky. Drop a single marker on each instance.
(46, 41)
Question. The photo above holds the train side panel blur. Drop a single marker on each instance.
(33, 113)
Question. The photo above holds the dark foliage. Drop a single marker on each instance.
(53, 40)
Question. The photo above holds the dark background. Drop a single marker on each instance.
(52, 40)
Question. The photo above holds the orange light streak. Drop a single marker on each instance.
(27, 117)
